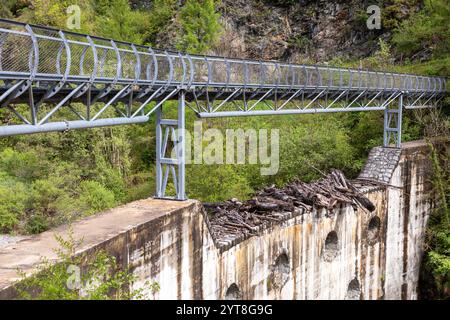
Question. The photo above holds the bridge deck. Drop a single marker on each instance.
(54, 80)
(41, 65)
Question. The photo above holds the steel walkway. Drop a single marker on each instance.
(54, 80)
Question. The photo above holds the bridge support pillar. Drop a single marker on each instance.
(170, 153)
(393, 123)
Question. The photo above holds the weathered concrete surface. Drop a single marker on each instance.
(410, 203)
(251, 263)
(119, 231)
(6, 240)
(338, 254)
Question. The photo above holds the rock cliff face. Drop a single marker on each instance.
(303, 30)
(297, 30)
(317, 30)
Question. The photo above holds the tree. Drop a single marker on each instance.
(161, 14)
(11, 9)
(54, 13)
(200, 26)
(116, 20)
(425, 30)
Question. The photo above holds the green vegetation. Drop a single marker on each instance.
(49, 180)
(116, 20)
(163, 11)
(200, 26)
(395, 11)
(426, 30)
(436, 271)
(73, 278)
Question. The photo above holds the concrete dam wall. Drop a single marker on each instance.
(344, 253)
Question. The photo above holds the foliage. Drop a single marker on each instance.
(116, 20)
(54, 178)
(217, 182)
(307, 146)
(361, 17)
(437, 257)
(395, 11)
(22, 165)
(382, 58)
(12, 204)
(200, 26)
(100, 278)
(11, 8)
(301, 43)
(163, 11)
(108, 18)
(54, 13)
(319, 143)
(94, 197)
(426, 30)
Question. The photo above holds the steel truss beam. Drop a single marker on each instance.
(42, 66)
(54, 80)
(295, 102)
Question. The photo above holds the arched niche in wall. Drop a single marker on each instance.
(233, 293)
(331, 247)
(279, 273)
(353, 290)
(373, 229)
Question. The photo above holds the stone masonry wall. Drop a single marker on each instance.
(380, 164)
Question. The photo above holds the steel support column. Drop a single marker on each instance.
(180, 146)
(393, 123)
(170, 161)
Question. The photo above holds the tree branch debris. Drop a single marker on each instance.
(273, 205)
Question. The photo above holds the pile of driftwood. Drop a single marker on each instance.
(273, 205)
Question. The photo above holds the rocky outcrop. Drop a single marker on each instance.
(295, 30)
(305, 30)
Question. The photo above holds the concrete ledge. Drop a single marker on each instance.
(95, 232)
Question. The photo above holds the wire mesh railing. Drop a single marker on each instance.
(45, 54)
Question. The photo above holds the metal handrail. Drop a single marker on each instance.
(27, 41)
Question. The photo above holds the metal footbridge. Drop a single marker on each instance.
(54, 80)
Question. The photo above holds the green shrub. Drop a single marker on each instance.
(200, 26)
(314, 143)
(26, 165)
(100, 277)
(36, 223)
(44, 195)
(425, 30)
(217, 182)
(13, 196)
(94, 197)
(116, 20)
